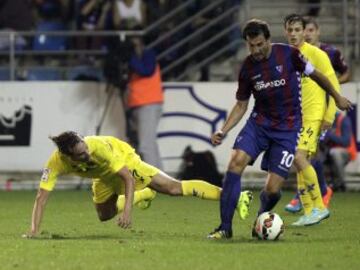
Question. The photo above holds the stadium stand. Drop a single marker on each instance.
(4, 74)
(43, 42)
(43, 74)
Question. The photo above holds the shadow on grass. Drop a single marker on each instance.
(53, 236)
(293, 235)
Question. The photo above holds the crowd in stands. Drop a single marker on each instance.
(63, 15)
(95, 15)
(86, 15)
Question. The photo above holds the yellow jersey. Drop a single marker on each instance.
(314, 105)
(108, 155)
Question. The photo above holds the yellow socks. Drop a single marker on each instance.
(312, 186)
(309, 190)
(197, 188)
(140, 195)
(304, 194)
(200, 189)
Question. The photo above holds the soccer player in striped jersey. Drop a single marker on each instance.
(116, 170)
(271, 73)
(318, 115)
(312, 34)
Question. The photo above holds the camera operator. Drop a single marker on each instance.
(144, 101)
(116, 71)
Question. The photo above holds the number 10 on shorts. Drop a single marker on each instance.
(287, 159)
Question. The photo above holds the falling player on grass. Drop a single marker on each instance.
(120, 178)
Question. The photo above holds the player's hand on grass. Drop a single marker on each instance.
(124, 220)
(343, 104)
(217, 137)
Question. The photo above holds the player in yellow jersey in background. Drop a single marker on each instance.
(317, 117)
(342, 70)
(115, 169)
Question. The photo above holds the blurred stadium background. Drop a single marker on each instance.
(55, 54)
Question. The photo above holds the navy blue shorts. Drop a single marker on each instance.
(279, 146)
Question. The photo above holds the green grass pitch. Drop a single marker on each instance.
(170, 235)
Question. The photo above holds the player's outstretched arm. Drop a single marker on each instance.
(235, 116)
(341, 102)
(124, 220)
(38, 212)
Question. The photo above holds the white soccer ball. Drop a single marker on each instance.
(269, 226)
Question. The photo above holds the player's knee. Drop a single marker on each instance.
(174, 189)
(301, 156)
(106, 213)
(300, 161)
(238, 162)
(272, 189)
(236, 165)
(105, 216)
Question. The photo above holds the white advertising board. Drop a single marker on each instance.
(31, 111)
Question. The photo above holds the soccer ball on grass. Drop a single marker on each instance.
(269, 226)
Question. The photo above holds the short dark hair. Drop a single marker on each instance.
(292, 18)
(311, 20)
(66, 140)
(255, 27)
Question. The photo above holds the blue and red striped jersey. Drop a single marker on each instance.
(275, 85)
(336, 58)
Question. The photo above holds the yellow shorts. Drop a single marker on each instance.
(309, 136)
(103, 189)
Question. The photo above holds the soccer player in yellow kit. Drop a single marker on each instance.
(115, 169)
(317, 116)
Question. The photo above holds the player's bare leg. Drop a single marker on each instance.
(168, 185)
